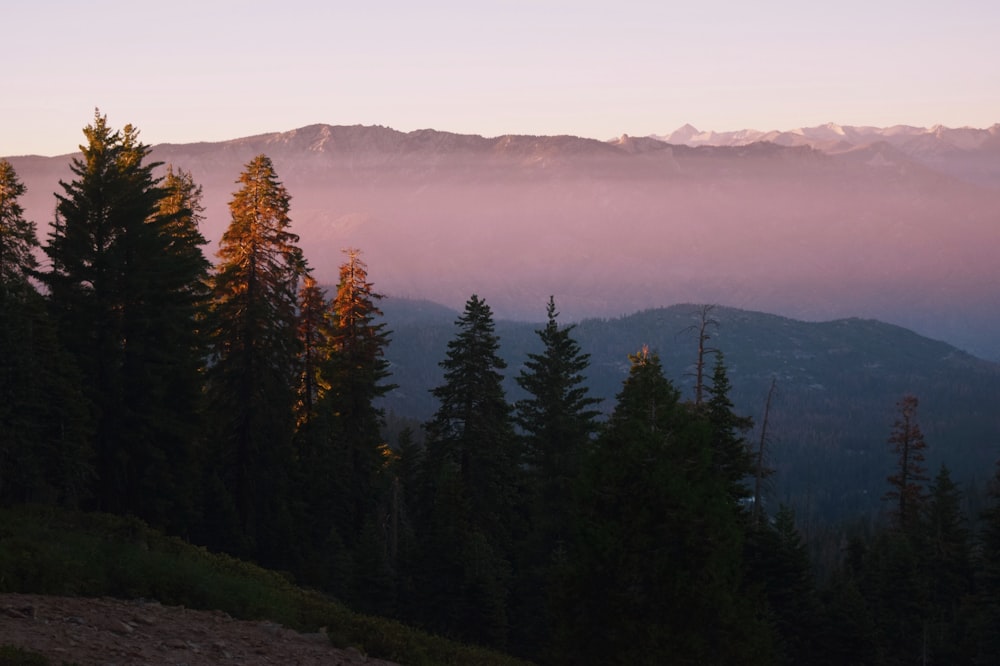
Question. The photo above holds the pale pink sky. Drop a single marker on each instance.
(205, 70)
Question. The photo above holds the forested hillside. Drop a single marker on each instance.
(611, 505)
(837, 384)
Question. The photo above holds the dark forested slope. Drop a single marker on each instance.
(837, 384)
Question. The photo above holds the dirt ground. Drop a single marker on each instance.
(112, 631)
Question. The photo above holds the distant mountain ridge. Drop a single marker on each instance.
(948, 149)
(616, 227)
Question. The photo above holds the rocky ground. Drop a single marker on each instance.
(112, 631)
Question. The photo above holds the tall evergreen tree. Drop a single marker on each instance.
(313, 339)
(558, 421)
(777, 564)
(986, 601)
(18, 237)
(253, 376)
(119, 287)
(905, 489)
(44, 448)
(558, 416)
(356, 370)
(469, 489)
(179, 347)
(949, 572)
(730, 452)
(653, 574)
(342, 450)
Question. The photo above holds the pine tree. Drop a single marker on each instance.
(342, 450)
(986, 601)
(313, 338)
(472, 427)
(558, 422)
(469, 488)
(120, 289)
(656, 558)
(949, 571)
(557, 418)
(730, 452)
(179, 347)
(356, 370)
(777, 564)
(253, 377)
(907, 442)
(44, 448)
(18, 238)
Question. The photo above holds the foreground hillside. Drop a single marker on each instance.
(117, 591)
(87, 631)
(837, 384)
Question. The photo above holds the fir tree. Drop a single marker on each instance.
(907, 442)
(120, 287)
(730, 452)
(356, 371)
(986, 601)
(313, 339)
(656, 559)
(558, 422)
(44, 421)
(18, 239)
(469, 488)
(949, 571)
(342, 450)
(254, 373)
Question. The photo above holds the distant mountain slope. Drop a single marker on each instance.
(837, 386)
(965, 152)
(610, 228)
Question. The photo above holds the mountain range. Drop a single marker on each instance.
(814, 228)
(967, 153)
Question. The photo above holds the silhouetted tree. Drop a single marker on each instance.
(44, 418)
(558, 420)
(125, 267)
(469, 488)
(653, 574)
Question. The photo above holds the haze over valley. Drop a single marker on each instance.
(898, 224)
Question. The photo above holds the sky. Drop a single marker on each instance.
(208, 70)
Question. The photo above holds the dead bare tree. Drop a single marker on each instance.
(705, 322)
(760, 470)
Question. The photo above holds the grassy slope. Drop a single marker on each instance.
(49, 551)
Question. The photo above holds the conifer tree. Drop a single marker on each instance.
(558, 421)
(342, 450)
(907, 442)
(469, 489)
(44, 447)
(949, 571)
(181, 346)
(120, 289)
(986, 633)
(730, 452)
(558, 418)
(313, 338)
(18, 238)
(656, 558)
(253, 377)
(356, 371)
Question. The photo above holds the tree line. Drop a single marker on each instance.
(236, 405)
